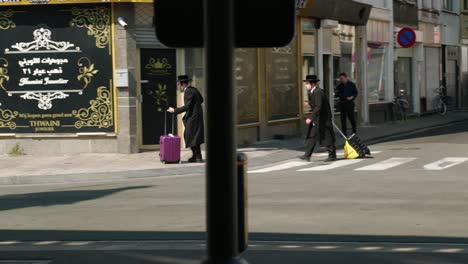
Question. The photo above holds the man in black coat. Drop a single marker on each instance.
(320, 121)
(193, 120)
(347, 92)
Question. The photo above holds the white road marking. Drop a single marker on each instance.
(449, 250)
(78, 243)
(45, 243)
(370, 248)
(341, 153)
(284, 166)
(291, 246)
(7, 243)
(445, 163)
(334, 165)
(386, 164)
(408, 249)
(326, 247)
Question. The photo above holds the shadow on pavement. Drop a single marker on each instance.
(43, 199)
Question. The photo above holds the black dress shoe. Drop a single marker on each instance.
(330, 159)
(192, 160)
(304, 158)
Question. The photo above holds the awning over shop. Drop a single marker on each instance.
(345, 11)
(52, 2)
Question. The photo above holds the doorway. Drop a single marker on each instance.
(452, 83)
(403, 80)
(158, 91)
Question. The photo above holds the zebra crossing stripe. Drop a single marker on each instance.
(284, 166)
(341, 153)
(386, 164)
(445, 163)
(334, 165)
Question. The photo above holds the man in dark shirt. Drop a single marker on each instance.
(347, 92)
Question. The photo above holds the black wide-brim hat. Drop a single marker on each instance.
(311, 78)
(183, 78)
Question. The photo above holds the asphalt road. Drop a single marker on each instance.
(413, 190)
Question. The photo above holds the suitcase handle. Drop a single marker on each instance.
(165, 123)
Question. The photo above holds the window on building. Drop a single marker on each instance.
(308, 52)
(449, 5)
(465, 4)
(376, 72)
(427, 4)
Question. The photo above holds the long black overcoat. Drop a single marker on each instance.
(321, 128)
(193, 120)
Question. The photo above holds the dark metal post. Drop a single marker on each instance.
(222, 203)
(444, 69)
(242, 164)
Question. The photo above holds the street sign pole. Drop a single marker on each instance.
(222, 197)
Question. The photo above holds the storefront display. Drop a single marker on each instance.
(376, 72)
(56, 70)
(283, 97)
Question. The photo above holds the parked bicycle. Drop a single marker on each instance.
(441, 101)
(400, 106)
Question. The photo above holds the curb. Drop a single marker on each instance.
(379, 139)
(98, 177)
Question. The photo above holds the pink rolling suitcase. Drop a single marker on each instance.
(169, 144)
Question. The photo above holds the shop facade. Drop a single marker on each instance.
(380, 52)
(464, 53)
(409, 61)
(450, 40)
(58, 87)
(330, 41)
(429, 25)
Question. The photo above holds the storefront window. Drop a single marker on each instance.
(246, 84)
(346, 61)
(376, 72)
(308, 53)
(194, 67)
(283, 97)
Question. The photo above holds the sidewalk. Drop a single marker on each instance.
(102, 167)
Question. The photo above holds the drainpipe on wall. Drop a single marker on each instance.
(364, 89)
(319, 50)
(418, 59)
(444, 67)
(390, 59)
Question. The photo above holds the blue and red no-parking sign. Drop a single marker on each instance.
(406, 37)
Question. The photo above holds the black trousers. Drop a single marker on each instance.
(347, 111)
(310, 146)
(197, 153)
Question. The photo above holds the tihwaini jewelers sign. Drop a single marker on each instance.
(56, 70)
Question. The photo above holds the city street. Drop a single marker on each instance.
(412, 191)
(122, 124)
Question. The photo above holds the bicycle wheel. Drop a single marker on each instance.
(440, 106)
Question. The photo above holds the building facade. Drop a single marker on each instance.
(92, 77)
(464, 53)
(430, 26)
(450, 40)
(60, 90)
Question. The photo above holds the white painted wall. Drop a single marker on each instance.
(450, 29)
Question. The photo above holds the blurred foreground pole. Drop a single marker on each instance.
(222, 197)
